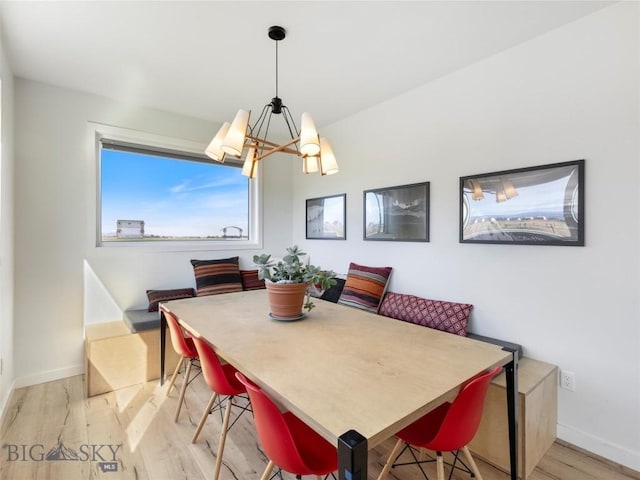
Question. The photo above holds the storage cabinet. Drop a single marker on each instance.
(537, 417)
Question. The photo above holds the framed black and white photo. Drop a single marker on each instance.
(397, 213)
(326, 217)
(542, 205)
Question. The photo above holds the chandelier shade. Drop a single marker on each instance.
(309, 144)
(250, 166)
(214, 150)
(328, 162)
(233, 142)
(240, 138)
(309, 164)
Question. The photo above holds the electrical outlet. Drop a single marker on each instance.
(568, 380)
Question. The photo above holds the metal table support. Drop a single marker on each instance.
(163, 344)
(352, 456)
(511, 372)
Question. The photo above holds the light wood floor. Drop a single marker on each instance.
(140, 419)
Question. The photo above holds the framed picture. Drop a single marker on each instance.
(398, 214)
(326, 217)
(541, 205)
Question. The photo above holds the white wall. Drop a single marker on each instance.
(54, 198)
(570, 94)
(6, 230)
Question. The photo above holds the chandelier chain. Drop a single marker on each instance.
(276, 68)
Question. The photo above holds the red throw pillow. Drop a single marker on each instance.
(449, 317)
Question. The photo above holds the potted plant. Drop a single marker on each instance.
(287, 282)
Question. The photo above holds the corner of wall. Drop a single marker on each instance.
(7, 161)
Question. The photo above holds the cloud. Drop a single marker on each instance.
(186, 185)
(180, 187)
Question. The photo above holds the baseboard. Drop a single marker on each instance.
(6, 402)
(608, 450)
(48, 376)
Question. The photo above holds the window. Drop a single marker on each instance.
(152, 194)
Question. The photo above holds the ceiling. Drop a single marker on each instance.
(206, 59)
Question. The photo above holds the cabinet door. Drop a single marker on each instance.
(537, 418)
(491, 443)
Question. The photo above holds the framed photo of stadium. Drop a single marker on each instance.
(542, 205)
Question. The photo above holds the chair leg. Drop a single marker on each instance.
(472, 464)
(175, 374)
(440, 465)
(183, 390)
(267, 471)
(392, 457)
(223, 437)
(422, 454)
(206, 413)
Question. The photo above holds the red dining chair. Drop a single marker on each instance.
(185, 348)
(221, 380)
(448, 428)
(288, 442)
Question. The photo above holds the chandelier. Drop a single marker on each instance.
(238, 137)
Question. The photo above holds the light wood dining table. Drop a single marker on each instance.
(353, 376)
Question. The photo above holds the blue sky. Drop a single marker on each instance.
(173, 197)
(545, 198)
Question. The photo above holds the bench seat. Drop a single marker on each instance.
(141, 320)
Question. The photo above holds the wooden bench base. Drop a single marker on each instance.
(116, 358)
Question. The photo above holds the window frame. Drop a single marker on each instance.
(98, 132)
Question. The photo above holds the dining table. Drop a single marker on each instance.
(353, 376)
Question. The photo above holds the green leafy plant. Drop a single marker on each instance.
(291, 269)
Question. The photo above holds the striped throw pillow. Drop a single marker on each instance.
(217, 276)
(157, 296)
(250, 280)
(365, 287)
